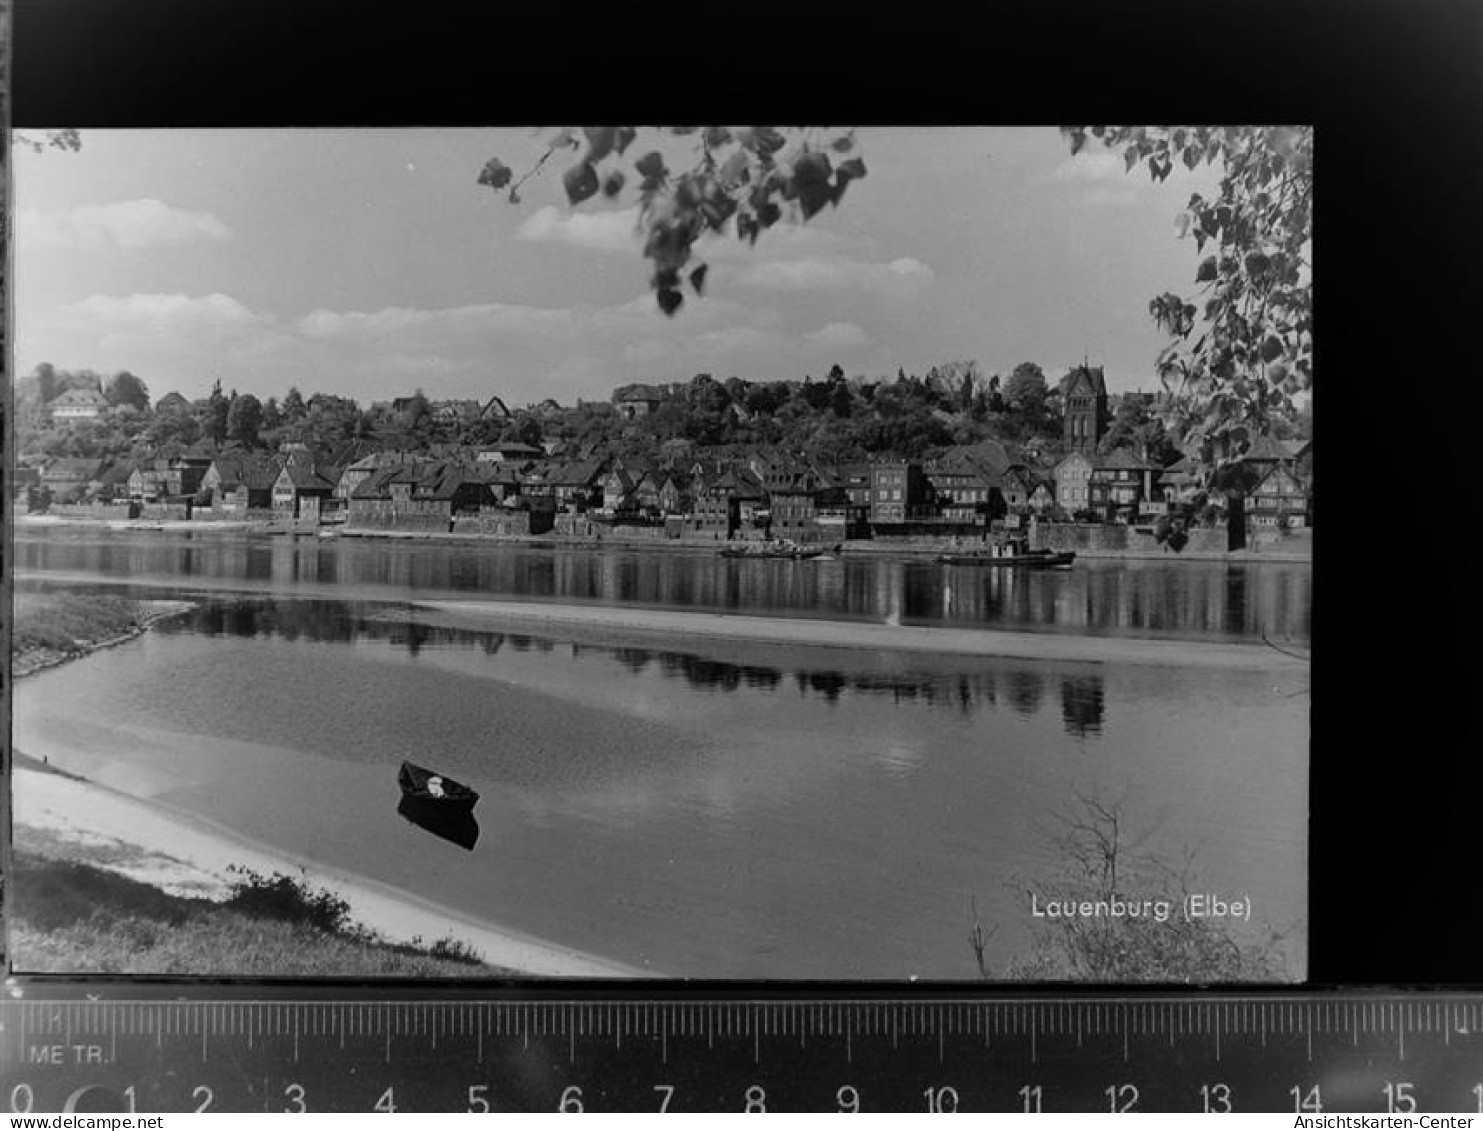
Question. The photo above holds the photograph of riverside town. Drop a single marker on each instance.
(662, 552)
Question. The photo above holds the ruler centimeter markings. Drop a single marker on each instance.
(243, 1048)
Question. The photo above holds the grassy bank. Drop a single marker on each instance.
(67, 916)
(50, 628)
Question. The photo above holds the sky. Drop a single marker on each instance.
(369, 263)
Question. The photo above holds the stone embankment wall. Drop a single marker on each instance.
(94, 510)
(1133, 541)
(496, 522)
(414, 523)
(1093, 538)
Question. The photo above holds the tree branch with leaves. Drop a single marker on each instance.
(737, 180)
(1242, 347)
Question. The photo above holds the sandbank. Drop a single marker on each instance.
(188, 856)
(673, 627)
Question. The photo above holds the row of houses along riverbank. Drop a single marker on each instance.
(514, 490)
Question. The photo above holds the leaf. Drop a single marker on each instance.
(670, 299)
(651, 166)
(1181, 224)
(813, 197)
(735, 169)
(1130, 158)
(717, 210)
(580, 182)
(1207, 270)
(764, 140)
(1272, 348)
(600, 141)
(697, 278)
(852, 170)
(717, 136)
(612, 184)
(624, 138)
(496, 174)
(811, 183)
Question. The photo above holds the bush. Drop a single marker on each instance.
(283, 897)
(1102, 862)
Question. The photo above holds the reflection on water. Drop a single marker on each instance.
(980, 686)
(1147, 598)
(458, 827)
(714, 809)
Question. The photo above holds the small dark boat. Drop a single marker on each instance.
(786, 550)
(456, 826)
(1027, 559)
(432, 791)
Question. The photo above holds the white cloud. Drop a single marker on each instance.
(901, 278)
(161, 314)
(783, 241)
(127, 224)
(522, 352)
(594, 231)
(448, 324)
(837, 336)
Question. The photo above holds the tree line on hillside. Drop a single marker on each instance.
(831, 419)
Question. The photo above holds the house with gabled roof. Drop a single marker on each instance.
(900, 492)
(504, 480)
(241, 481)
(68, 476)
(966, 490)
(1073, 476)
(674, 493)
(301, 489)
(800, 495)
(635, 401)
(511, 450)
(1042, 498)
(1119, 482)
(1016, 485)
(358, 471)
(1279, 498)
(719, 498)
(455, 412)
(76, 406)
(576, 485)
(617, 492)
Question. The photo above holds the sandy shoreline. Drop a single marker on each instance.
(188, 856)
(674, 627)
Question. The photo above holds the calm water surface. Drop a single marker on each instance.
(702, 809)
(1202, 601)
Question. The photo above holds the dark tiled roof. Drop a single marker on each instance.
(307, 478)
(638, 393)
(579, 474)
(1085, 377)
(1120, 459)
(72, 469)
(79, 397)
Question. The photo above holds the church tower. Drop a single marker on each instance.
(1084, 402)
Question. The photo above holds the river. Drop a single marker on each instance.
(699, 807)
